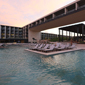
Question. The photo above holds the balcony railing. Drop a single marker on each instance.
(3, 37)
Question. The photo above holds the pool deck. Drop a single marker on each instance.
(78, 47)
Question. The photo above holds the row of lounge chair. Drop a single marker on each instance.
(2, 45)
(51, 47)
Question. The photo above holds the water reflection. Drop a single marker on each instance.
(18, 67)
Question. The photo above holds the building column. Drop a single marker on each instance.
(69, 35)
(28, 33)
(14, 32)
(18, 32)
(59, 35)
(9, 32)
(0, 31)
(5, 32)
(66, 35)
(81, 35)
(77, 33)
(82, 32)
(33, 34)
(74, 35)
(62, 35)
(25, 32)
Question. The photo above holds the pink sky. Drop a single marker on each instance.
(22, 12)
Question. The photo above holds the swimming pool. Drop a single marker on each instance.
(19, 67)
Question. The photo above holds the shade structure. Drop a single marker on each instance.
(78, 28)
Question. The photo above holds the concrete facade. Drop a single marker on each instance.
(69, 14)
(11, 34)
(32, 34)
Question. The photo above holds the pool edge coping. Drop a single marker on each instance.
(54, 53)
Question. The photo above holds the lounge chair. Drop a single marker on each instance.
(73, 46)
(1, 44)
(35, 47)
(45, 47)
(68, 45)
(57, 46)
(40, 46)
(50, 49)
(62, 47)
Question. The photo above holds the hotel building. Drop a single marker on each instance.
(13, 34)
(48, 36)
(69, 14)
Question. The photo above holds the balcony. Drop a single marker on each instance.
(7, 34)
(16, 35)
(3, 28)
(16, 32)
(21, 29)
(59, 13)
(11, 37)
(12, 32)
(81, 4)
(71, 8)
(3, 37)
(49, 17)
(2, 33)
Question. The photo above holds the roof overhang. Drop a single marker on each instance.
(69, 18)
(74, 28)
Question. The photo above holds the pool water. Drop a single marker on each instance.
(19, 67)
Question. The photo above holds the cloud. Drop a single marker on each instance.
(22, 12)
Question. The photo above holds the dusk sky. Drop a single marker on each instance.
(22, 12)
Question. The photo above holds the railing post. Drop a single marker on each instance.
(36, 23)
(76, 6)
(44, 19)
(65, 10)
(53, 16)
(40, 21)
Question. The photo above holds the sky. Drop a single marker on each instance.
(22, 12)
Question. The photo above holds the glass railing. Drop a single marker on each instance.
(71, 11)
(59, 15)
(3, 37)
(3, 34)
(3, 31)
(12, 37)
(16, 32)
(81, 7)
(12, 32)
(7, 34)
